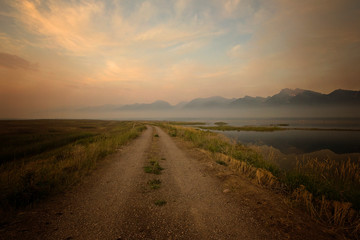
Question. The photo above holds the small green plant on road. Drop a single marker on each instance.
(153, 168)
(154, 184)
(160, 203)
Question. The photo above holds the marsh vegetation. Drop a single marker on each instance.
(244, 128)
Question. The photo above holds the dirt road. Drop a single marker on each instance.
(195, 200)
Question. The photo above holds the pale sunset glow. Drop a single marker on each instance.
(76, 53)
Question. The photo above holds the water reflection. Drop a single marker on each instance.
(343, 123)
(301, 141)
(285, 148)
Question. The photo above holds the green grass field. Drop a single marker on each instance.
(44, 157)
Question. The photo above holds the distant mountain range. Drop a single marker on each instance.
(157, 105)
(300, 97)
(285, 98)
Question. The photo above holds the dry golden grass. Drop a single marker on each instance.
(344, 179)
(346, 172)
(339, 215)
(259, 175)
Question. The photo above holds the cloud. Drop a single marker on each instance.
(168, 35)
(235, 51)
(238, 9)
(60, 24)
(231, 5)
(180, 7)
(189, 47)
(125, 71)
(15, 62)
(10, 44)
(93, 27)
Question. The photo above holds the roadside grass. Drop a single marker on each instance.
(216, 143)
(338, 180)
(34, 175)
(330, 191)
(160, 203)
(155, 183)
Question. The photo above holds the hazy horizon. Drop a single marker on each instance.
(73, 54)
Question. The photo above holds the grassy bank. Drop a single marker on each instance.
(330, 191)
(187, 123)
(244, 128)
(271, 128)
(220, 144)
(44, 157)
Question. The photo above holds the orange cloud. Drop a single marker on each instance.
(60, 24)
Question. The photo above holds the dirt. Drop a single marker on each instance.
(199, 200)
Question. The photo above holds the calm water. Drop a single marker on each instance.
(328, 123)
(300, 141)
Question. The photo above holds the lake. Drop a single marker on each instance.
(325, 123)
(301, 141)
(288, 146)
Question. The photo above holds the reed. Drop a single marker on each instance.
(336, 180)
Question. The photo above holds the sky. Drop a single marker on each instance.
(75, 53)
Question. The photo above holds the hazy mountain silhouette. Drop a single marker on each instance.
(211, 102)
(157, 105)
(311, 98)
(301, 97)
(285, 99)
(248, 101)
(100, 108)
(284, 96)
(344, 97)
